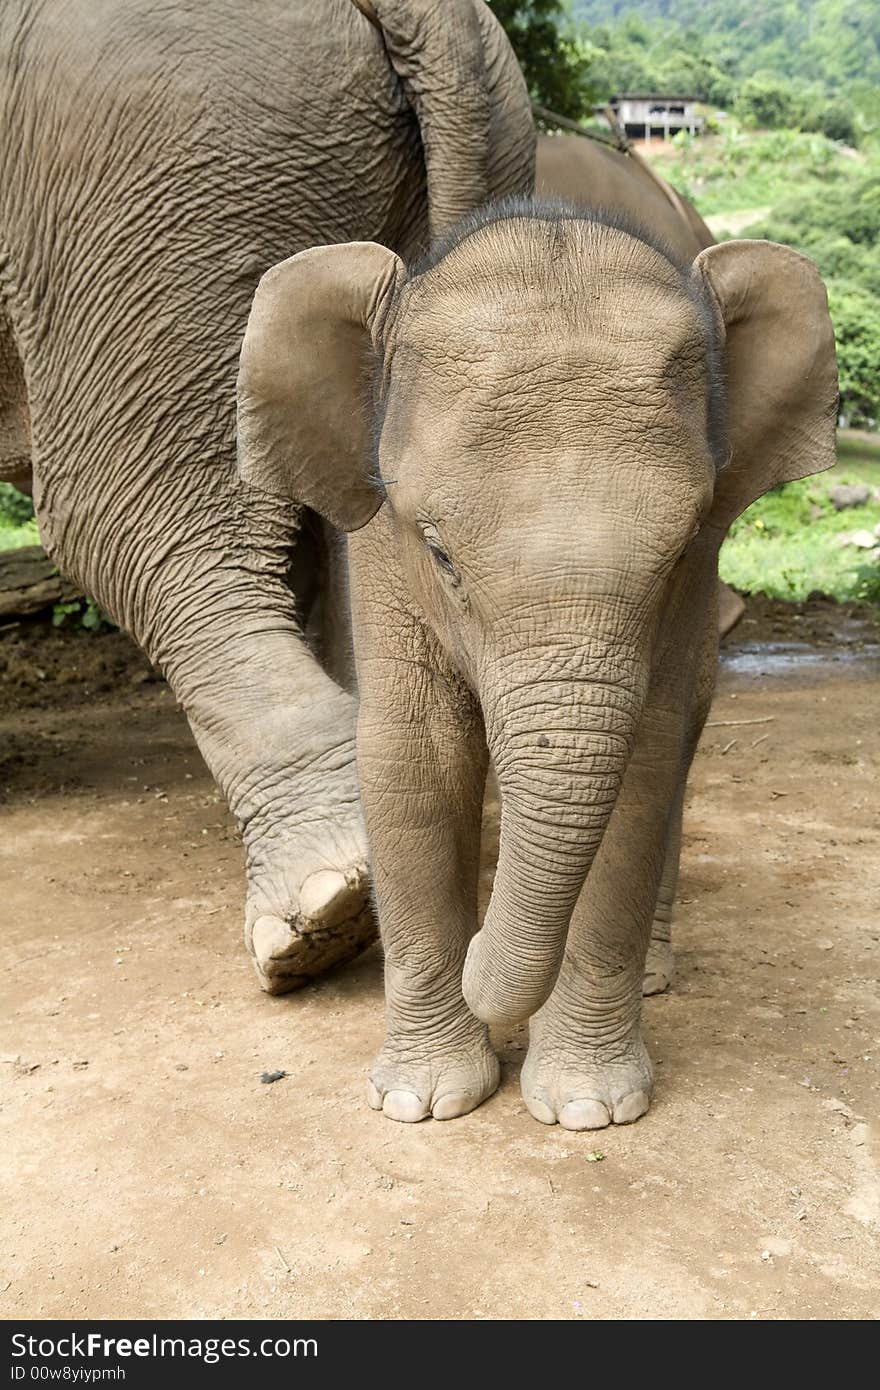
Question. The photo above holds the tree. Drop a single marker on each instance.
(556, 68)
(769, 101)
(856, 320)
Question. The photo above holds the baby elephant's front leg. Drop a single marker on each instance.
(422, 766)
(587, 1065)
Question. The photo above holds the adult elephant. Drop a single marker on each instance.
(590, 172)
(154, 161)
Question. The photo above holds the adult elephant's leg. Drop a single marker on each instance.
(197, 569)
(422, 766)
(587, 1065)
(15, 444)
(660, 962)
(278, 734)
(731, 607)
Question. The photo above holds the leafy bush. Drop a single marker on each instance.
(838, 259)
(837, 120)
(767, 100)
(15, 507)
(857, 216)
(17, 524)
(83, 612)
(855, 314)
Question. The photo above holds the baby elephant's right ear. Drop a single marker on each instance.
(304, 401)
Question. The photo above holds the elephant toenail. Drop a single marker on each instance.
(325, 898)
(540, 1110)
(631, 1107)
(584, 1114)
(271, 936)
(405, 1106)
(449, 1107)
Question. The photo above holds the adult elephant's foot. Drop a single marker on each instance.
(288, 772)
(330, 923)
(443, 1076)
(659, 966)
(308, 905)
(585, 1086)
(308, 898)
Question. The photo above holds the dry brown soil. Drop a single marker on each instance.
(148, 1171)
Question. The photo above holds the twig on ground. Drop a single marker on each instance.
(736, 723)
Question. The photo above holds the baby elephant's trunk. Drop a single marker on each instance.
(559, 780)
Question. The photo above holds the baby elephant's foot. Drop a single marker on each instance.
(586, 1088)
(659, 967)
(411, 1080)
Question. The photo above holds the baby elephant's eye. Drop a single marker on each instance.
(431, 537)
(442, 559)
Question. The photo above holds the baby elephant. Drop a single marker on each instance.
(540, 435)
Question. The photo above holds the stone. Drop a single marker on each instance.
(865, 540)
(844, 495)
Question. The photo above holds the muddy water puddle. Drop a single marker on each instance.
(794, 660)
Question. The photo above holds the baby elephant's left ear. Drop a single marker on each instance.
(780, 371)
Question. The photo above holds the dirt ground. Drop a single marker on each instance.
(148, 1172)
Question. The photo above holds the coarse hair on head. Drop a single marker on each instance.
(552, 212)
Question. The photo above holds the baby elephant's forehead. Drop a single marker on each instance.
(504, 336)
(595, 292)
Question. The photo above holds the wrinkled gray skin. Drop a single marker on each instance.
(566, 423)
(154, 162)
(593, 174)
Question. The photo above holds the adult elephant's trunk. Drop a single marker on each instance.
(463, 82)
(560, 752)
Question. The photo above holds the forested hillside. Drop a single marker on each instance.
(814, 64)
(809, 64)
(833, 42)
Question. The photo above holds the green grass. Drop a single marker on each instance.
(784, 544)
